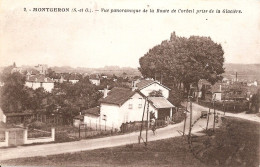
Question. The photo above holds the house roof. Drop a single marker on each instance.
(93, 111)
(80, 117)
(14, 114)
(144, 83)
(204, 82)
(118, 96)
(160, 102)
(39, 78)
(73, 77)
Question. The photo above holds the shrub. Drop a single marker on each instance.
(37, 125)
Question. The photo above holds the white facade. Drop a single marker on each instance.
(92, 121)
(2, 116)
(48, 86)
(217, 96)
(73, 81)
(115, 115)
(155, 87)
(95, 81)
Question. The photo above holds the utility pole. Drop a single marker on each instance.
(190, 116)
(214, 113)
(185, 118)
(208, 119)
(140, 136)
(147, 125)
(224, 104)
(79, 130)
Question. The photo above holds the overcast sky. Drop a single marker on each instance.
(99, 39)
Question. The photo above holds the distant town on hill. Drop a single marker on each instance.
(244, 71)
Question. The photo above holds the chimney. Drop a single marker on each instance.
(134, 85)
(105, 92)
(220, 88)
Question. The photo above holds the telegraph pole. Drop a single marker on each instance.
(208, 119)
(140, 136)
(147, 125)
(190, 116)
(214, 112)
(185, 116)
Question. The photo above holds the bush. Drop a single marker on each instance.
(230, 106)
(176, 97)
(37, 125)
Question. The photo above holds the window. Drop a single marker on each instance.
(104, 117)
(41, 84)
(140, 103)
(130, 106)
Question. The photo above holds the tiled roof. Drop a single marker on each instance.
(118, 96)
(144, 83)
(216, 88)
(93, 111)
(73, 77)
(80, 117)
(204, 82)
(39, 78)
(160, 102)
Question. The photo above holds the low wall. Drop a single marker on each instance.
(40, 139)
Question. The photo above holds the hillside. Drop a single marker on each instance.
(244, 71)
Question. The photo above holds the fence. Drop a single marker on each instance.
(136, 126)
(229, 106)
(90, 131)
(56, 119)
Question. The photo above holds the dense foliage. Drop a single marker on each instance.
(183, 61)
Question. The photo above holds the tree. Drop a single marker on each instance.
(183, 61)
(155, 93)
(51, 73)
(13, 93)
(255, 102)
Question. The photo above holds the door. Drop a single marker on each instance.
(163, 113)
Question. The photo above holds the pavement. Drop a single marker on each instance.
(112, 141)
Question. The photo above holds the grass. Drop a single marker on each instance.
(236, 143)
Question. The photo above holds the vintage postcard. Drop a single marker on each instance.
(130, 83)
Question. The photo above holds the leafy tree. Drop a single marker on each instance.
(13, 94)
(179, 62)
(155, 93)
(51, 73)
(176, 96)
(255, 102)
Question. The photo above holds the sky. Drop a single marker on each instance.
(103, 39)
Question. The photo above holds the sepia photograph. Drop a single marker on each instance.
(130, 83)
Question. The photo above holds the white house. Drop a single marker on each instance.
(73, 79)
(95, 81)
(121, 105)
(38, 81)
(2, 116)
(147, 86)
